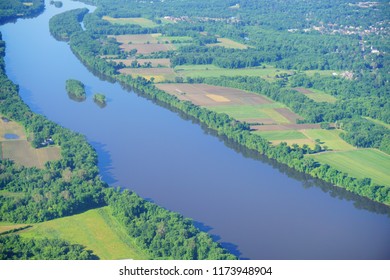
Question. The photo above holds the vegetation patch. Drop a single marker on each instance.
(282, 135)
(153, 62)
(155, 74)
(361, 163)
(228, 43)
(96, 229)
(317, 95)
(100, 99)
(144, 22)
(329, 138)
(76, 90)
(194, 71)
(22, 153)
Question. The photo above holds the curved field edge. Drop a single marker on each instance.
(224, 124)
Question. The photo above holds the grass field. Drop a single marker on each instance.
(329, 138)
(360, 163)
(317, 95)
(282, 135)
(228, 43)
(209, 70)
(144, 22)
(96, 229)
(378, 122)
(159, 74)
(22, 153)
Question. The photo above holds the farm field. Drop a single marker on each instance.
(330, 138)
(159, 74)
(20, 150)
(317, 95)
(255, 109)
(228, 43)
(155, 62)
(209, 70)
(96, 229)
(355, 163)
(144, 22)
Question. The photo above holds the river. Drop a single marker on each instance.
(255, 207)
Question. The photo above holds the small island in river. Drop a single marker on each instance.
(76, 90)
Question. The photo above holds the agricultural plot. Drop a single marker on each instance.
(330, 138)
(228, 43)
(209, 70)
(359, 163)
(206, 95)
(96, 229)
(157, 62)
(144, 22)
(143, 43)
(257, 110)
(317, 95)
(5, 226)
(158, 74)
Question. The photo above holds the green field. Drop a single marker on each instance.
(243, 112)
(209, 70)
(328, 138)
(320, 96)
(228, 43)
(281, 135)
(144, 22)
(360, 163)
(378, 122)
(96, 229)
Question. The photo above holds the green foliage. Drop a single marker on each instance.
(162, 233)
(76, 89)
(13, 247)
(99, 98)
(12, 9)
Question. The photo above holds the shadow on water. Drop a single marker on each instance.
(230, 247)
(105, 163)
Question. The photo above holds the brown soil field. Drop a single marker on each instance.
(11, 127)
(155, 62)
(285, 127)
(206, 95)
(288, 114)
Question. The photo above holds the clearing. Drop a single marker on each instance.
(20, 150)
(228, 43)
(96, 229)
(359, 163)
(317, 95)
(144, 22)
(208, 70)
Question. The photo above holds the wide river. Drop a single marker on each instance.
(256, 208)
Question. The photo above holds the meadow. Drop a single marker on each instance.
(144, 22)
(359, 163)
(96, 229)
